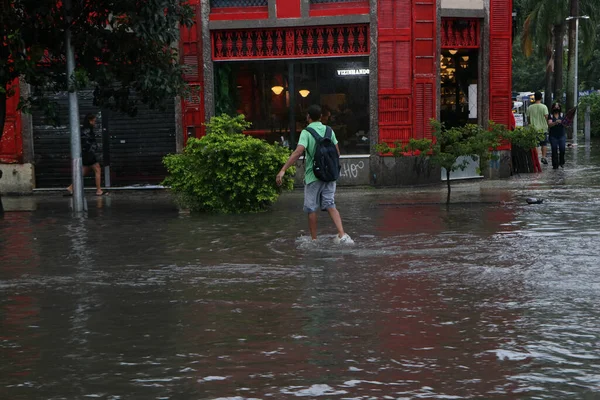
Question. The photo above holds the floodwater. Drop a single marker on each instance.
(490, 298)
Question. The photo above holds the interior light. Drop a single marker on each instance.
(450, 70)
(304, 92)
(466, 58)
(453, 52)
(277, 89)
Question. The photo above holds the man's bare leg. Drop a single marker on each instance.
(312, 225)
(337, 220)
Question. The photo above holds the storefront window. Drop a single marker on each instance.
(274, 96)
(238, 3)
(459, 86)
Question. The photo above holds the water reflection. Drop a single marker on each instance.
(489, 298)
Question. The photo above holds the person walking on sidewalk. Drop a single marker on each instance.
(318, 194)
(538, 117)
(558, 136)
(89, 147)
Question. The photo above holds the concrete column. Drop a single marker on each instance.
(209, 77)
(27, 126)
(179, 129)
(484, 68)
(272, 10)
(305, 8)
(373, 99)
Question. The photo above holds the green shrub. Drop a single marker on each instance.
(448, 145)
(227, 171)
(593, 101)
(526, 137)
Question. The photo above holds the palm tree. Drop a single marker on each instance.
(544, 33)
(587, 32)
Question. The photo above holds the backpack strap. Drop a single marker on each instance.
(314, 134)
(328, 132)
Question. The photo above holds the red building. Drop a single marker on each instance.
(380, 68)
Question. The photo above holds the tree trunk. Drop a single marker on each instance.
(574, 11)
(548, 80)
(559, 36)
(449, 188)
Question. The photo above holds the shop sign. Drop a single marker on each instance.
(519, 119)
(353, 72)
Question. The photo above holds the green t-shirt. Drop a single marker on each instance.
(310, 144)
(538, 117)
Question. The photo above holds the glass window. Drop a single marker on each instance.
(459, 80)
(274, 96)
(238, 3)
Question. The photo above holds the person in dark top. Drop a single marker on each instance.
(89, 146)
(558, 137)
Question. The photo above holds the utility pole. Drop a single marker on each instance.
(76, 163)
(576, 73)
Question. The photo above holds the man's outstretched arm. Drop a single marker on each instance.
(291, 161)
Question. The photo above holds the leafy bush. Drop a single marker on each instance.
(448, 145)
(227, 171)
(593, 101)
(526, 137)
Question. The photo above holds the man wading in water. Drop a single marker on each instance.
(318, 194)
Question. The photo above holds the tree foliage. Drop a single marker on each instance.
(526, 137)
(122, 47)
(448, 145)
(227, 171)
(542, 31)
(592, 101)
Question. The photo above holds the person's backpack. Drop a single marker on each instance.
(326, 160)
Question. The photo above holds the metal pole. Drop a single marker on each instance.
(292, 114)
(576, 84)
(76, 164)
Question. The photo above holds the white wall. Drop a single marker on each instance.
(463, 4)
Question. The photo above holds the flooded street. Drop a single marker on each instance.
(490, 298)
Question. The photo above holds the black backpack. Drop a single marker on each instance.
(326, 160)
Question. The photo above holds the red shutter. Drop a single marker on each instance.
(11, 145)
(193, 105)
(394, 71)
(425, 66)
(500, 60)
(406, 69)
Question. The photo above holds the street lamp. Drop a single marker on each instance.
(576, 83)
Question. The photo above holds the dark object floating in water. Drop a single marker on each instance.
(533, 200)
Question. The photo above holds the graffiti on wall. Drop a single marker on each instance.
(351, 170)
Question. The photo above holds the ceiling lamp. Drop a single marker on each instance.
(466, 58)
(277, 89)
(453, 52)
(304, 92)
(450, 70)
(443, 66)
